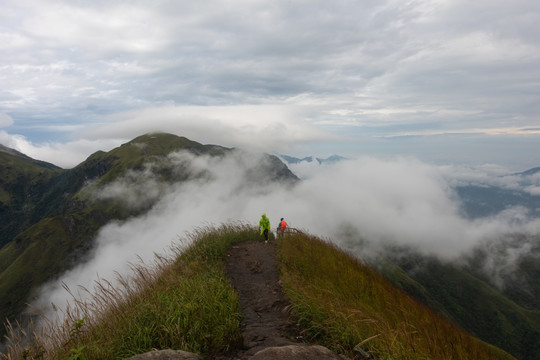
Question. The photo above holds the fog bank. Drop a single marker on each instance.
(361, 204)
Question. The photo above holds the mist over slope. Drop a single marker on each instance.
(365, 205)
(57, 213)
(362, 204)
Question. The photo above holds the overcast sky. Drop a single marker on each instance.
(447, 81)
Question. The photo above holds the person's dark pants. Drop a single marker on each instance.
(265, 233)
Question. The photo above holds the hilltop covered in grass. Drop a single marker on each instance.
(50, 217)
(187, 302)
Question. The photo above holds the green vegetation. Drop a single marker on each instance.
(49, 216)
(340, 303)
(187, 303)
(22, 182)
(48, 248)
(463, 296)
(151, 148)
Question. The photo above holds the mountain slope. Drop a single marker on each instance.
(481, 201)
(68, 210)
(343, 302)
(22, 182)
(462, 294)
(13, 152)
(58, 231)
(189, 304)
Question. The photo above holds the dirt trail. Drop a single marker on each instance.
(252, 269)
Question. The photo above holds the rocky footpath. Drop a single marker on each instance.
(267, 329)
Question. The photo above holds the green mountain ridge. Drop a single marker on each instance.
(50, 216)
(26, 158)
(23, 181)
(188, 304)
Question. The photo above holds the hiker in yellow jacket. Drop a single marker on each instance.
(264, 226)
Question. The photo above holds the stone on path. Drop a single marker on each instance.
(297, 352)
(166, 355)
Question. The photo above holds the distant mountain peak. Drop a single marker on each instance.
(529, 172)
(331, 159)
(295, 160)
(12, 151)
(309, 159)
(26, 158)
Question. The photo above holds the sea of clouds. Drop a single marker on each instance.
(360, 204)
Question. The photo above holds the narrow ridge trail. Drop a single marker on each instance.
(252, 269)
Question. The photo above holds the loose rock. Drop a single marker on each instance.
(166, 355)
(297, 352)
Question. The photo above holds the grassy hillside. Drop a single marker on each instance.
(187, 303)
(341, 302)
(150, 148)
(470, 301)
(22, 183)
(50, 217)
(46, 249)
(184, 303)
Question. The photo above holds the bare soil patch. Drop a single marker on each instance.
(252, 269)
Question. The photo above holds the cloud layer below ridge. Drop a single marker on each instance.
(360, 204)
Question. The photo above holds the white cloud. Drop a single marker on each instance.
(485, 131)
(360, 204)
(114, 28)
(491, 175)
(376, 68)
(260, 127)
(14, 42)
(65, 155)
(5, 120)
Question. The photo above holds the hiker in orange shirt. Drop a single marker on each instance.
(281, 227)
